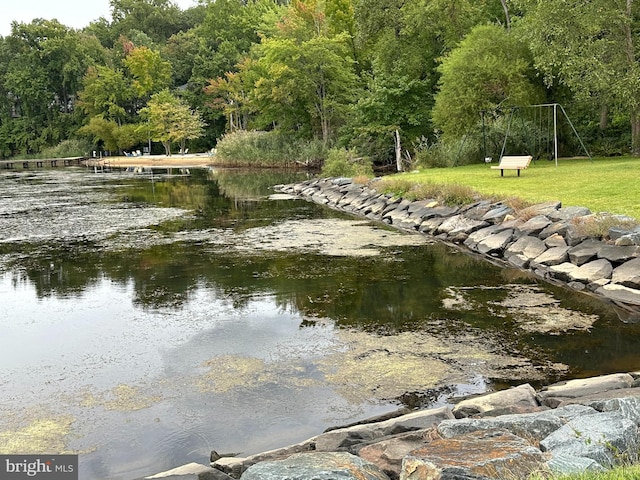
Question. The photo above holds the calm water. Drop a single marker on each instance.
(146, 321)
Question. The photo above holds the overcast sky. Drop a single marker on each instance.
(73, 13)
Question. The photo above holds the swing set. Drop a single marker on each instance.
(544, 119)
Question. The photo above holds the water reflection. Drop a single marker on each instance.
(151, 320)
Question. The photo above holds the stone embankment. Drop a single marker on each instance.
(549, 240)
(573, 426)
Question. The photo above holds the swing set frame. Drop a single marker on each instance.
(555, 107)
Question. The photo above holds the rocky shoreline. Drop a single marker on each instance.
(572, 426)
(546, 239)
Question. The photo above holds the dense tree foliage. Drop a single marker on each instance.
(340, 73)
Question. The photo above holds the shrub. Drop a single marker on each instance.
(341, 162)
(448, 194)
(267, 149)
(598, 225)
(67, 148)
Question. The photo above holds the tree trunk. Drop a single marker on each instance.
(507, 18)
(604, 117)
(635, 131)
(398, 152)
(167, 148)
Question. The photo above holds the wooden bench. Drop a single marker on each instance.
(516, 162)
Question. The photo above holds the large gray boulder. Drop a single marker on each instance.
(585, 251)
(588, 272)
(628, 274)
(479, 235)
(605, 437)
(618, 254)
(533, 426)
(534, 225)
(567, 213)
(349, 437)
(316, 466)
(620, 293)
(552, 395)
(522, 395)
(460, 224)
(553, 256)
(495, 243)
(527, 246)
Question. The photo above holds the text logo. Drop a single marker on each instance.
(43, 467)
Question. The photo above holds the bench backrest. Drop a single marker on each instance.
(516, 161)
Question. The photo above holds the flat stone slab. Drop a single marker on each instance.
(582, 387)
(534, 225)
(553, 256)
(527, 246)
(535, 426)
(477, 455)
(496, 242)
(628, 274)
(343, 438)
(620, 293)
(191, 471)
(316, 466)
(584, 252)
(523, 395)
(589, 272)
(618, 254)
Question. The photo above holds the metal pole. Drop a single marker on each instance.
(504, 144)
(484, 135)
(576, 133)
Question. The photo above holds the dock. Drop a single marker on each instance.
(41, 163)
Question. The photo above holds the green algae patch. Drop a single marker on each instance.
(228, 372)
(125, 398)
(40, 435)
(231, 372)
(530, 308)
(366, 366)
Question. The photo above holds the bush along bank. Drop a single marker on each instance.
(553, 242)
(574, 426)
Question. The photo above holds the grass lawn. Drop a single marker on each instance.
(602, 185)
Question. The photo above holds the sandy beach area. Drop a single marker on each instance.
(178, 161)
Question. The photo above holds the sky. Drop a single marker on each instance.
(72, 13)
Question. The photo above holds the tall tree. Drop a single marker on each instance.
(591, 48)
(306, 77)
(150, 72)
(490, 68)
(169, 119)
(45, 65)
(159, 19)
(106, 94)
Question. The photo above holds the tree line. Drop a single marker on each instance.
(436, 80)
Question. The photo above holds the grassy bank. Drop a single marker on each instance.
(603, 185)
(620, 473)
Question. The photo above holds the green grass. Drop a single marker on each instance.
(619, 473)
(603, 185)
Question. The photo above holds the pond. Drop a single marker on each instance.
(148, 319)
